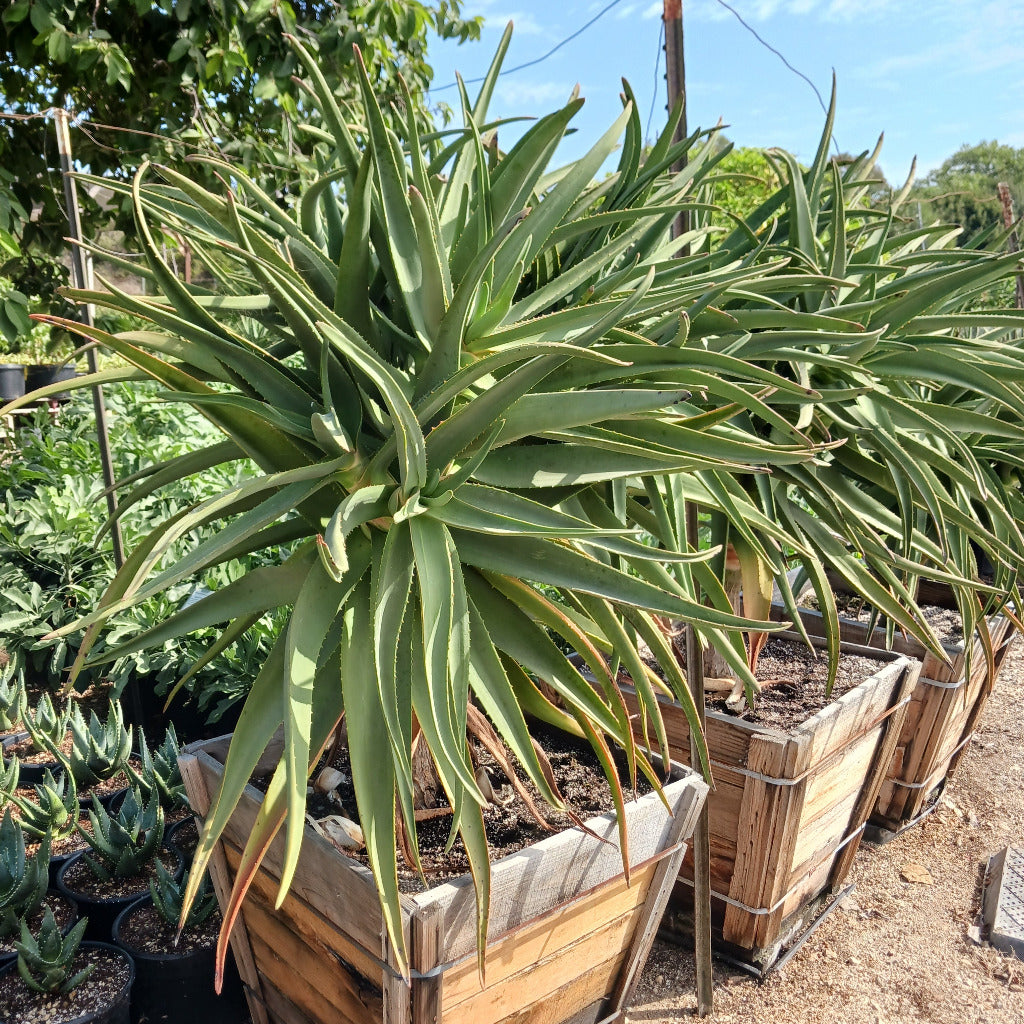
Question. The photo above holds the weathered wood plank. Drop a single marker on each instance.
(348, 898)
(545, 936)
(283, 1010)
(544, 876)
(309, 922)
(427, 952)
(199, 795)
(586, 960)
(322, 984)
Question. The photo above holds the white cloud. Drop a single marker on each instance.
(525, 23)
(524, 92)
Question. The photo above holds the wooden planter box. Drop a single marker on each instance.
(788, 808)
(943, 713)
(566, 940)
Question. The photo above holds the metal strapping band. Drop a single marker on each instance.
(940, 685)
(440, 969)
(818, 765)
(771, 910)
(927, 783)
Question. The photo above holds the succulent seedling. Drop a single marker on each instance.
(45, 963)
(23, 879)
(54, 812)
(12, 702)
(99, 749)
(167, 895)
(9, 774)
(124, 843)
(46, 725)
(160, 771)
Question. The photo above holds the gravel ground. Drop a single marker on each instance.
(896, 951)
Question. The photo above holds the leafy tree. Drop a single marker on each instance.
(963, 189)
(159, 79)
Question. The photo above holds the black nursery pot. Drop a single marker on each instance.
(183, 836)
(41, 375)
(12, 381)
(103, 911)
(117, 1009)
(174, 987)
(28, 774)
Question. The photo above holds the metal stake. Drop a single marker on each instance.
(81, 275)
(676, 74)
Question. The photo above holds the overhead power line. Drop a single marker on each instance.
(544, 56)
(750, 28)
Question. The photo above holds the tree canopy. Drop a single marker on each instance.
(160, 79)
(963, 190)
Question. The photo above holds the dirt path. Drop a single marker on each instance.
(897, 951)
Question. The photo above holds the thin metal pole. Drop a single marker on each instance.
(81, 279)
(81, 275)
(675, 64)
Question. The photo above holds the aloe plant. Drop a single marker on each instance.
(168, 897)
(160, 772)
(46, 725)
(46, 962)
(916, 396)
(54, 812)
(443, 379)
(99, 749)
(12, 702)
(23, 879)
(123, 843)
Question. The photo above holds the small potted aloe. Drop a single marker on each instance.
(174, 954)
(97, 755)
(52, 816)
(24, 881)
(47, 728)
(123, 851)
(60, 979)
(12, 701)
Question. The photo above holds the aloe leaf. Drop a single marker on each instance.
(315, 608)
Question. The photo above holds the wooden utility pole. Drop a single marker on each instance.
(675, 64)
(1012, 242)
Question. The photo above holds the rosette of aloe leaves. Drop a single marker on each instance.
(437, 360)
(918, 391)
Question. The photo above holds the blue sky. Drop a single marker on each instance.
(931, 74)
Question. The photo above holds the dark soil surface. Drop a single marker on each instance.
(145, 931)
(509, 828)
(946, 622)
(793, 681)
(63, 913)
(109, 977)
(78, 878)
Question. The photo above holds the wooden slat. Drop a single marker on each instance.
(883, 758)
(587, 960)
(427, 953)
(284, 1011)
(199, 795)
(575, 861)
(569, 999)
(282, 977)
(311, 977)
(309, 922)
(546, 936)
(765, 838)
